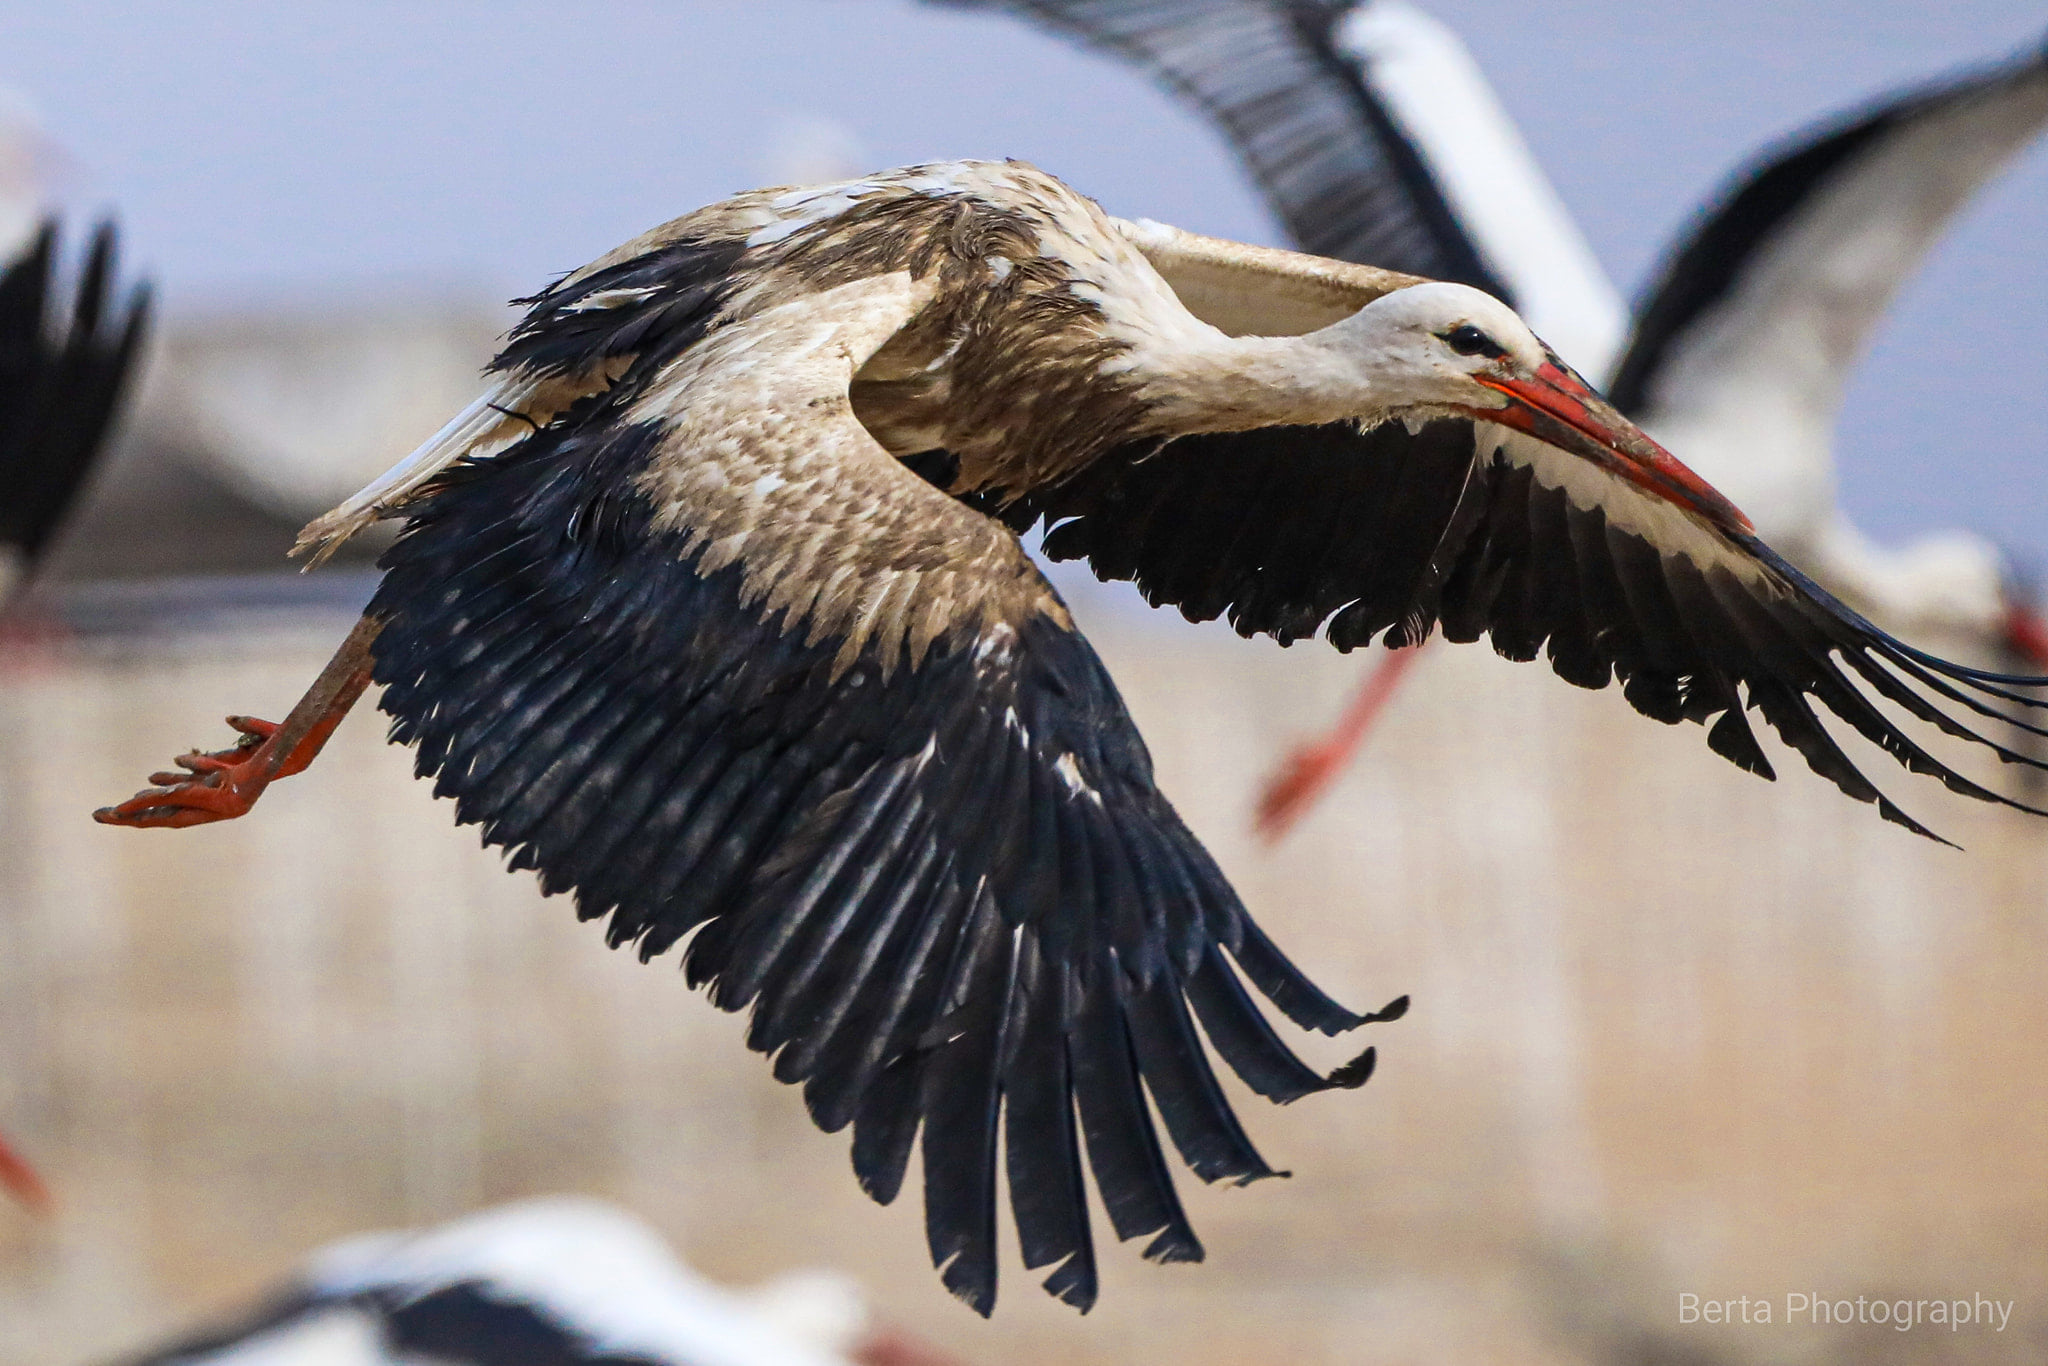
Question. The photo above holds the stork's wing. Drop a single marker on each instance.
(1481, 530)
(1333, 160)
(61, 377)
(1804, 250)
(703, 653)
(1257, 291)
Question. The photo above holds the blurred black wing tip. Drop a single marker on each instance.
(1887, 646)
(1759, 199)
(880, 1187)
(1175, 1243)
(1355, 1073)
(96, 275)
(1967, 673)
(1388, 1013)
(1073, 1280)
(141, 302)
(968, 1284)
(106, 239)
(1892, 813)
(1885, 640)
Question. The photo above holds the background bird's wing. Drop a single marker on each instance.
(62, 373)
(1332, 158)
(701, 651)
(1480, 530)
(1786, 275)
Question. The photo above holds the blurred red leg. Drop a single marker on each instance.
(1312, 767)
(21, 1180)
(891, 1347)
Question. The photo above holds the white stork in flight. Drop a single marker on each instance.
(713, 610)
(1376, 138)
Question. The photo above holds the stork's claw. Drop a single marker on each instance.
(216, 786)
(225, 783)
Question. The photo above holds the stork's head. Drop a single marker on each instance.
(1438, 350)
(1437, 340)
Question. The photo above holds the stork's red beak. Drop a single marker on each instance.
(1557, 407)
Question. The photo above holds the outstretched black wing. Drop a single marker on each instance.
(1479, 530)
(703, 653)
(1326, 150)
(61, 379)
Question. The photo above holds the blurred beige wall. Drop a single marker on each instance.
(1675, 1030)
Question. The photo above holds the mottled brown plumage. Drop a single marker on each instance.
(735, 641)
(767, 467)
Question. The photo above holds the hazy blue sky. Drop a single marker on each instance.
(343, 147)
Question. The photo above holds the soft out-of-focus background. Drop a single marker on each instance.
(1676, 1031)
(336, 152)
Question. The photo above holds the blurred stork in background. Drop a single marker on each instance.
(64, 367)
(63, 371)
(552, 1282)
(1376, 138)
(293, 409)
(64, 363)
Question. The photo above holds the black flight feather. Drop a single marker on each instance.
(1441, 532)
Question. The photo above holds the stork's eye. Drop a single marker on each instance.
(1467, 340)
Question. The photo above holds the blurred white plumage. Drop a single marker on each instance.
(553, 1282)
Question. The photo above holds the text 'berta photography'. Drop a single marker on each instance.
(1805, 1308)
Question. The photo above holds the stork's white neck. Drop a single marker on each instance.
(1387, 357)
(1231, 384)
(1365, 368)
(1196, 377)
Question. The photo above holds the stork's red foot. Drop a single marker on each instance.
(216, 786)
(226, 783)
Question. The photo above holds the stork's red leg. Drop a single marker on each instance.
(1314, 766)
(225, 783)
(21, 1180)
(887, 1346)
